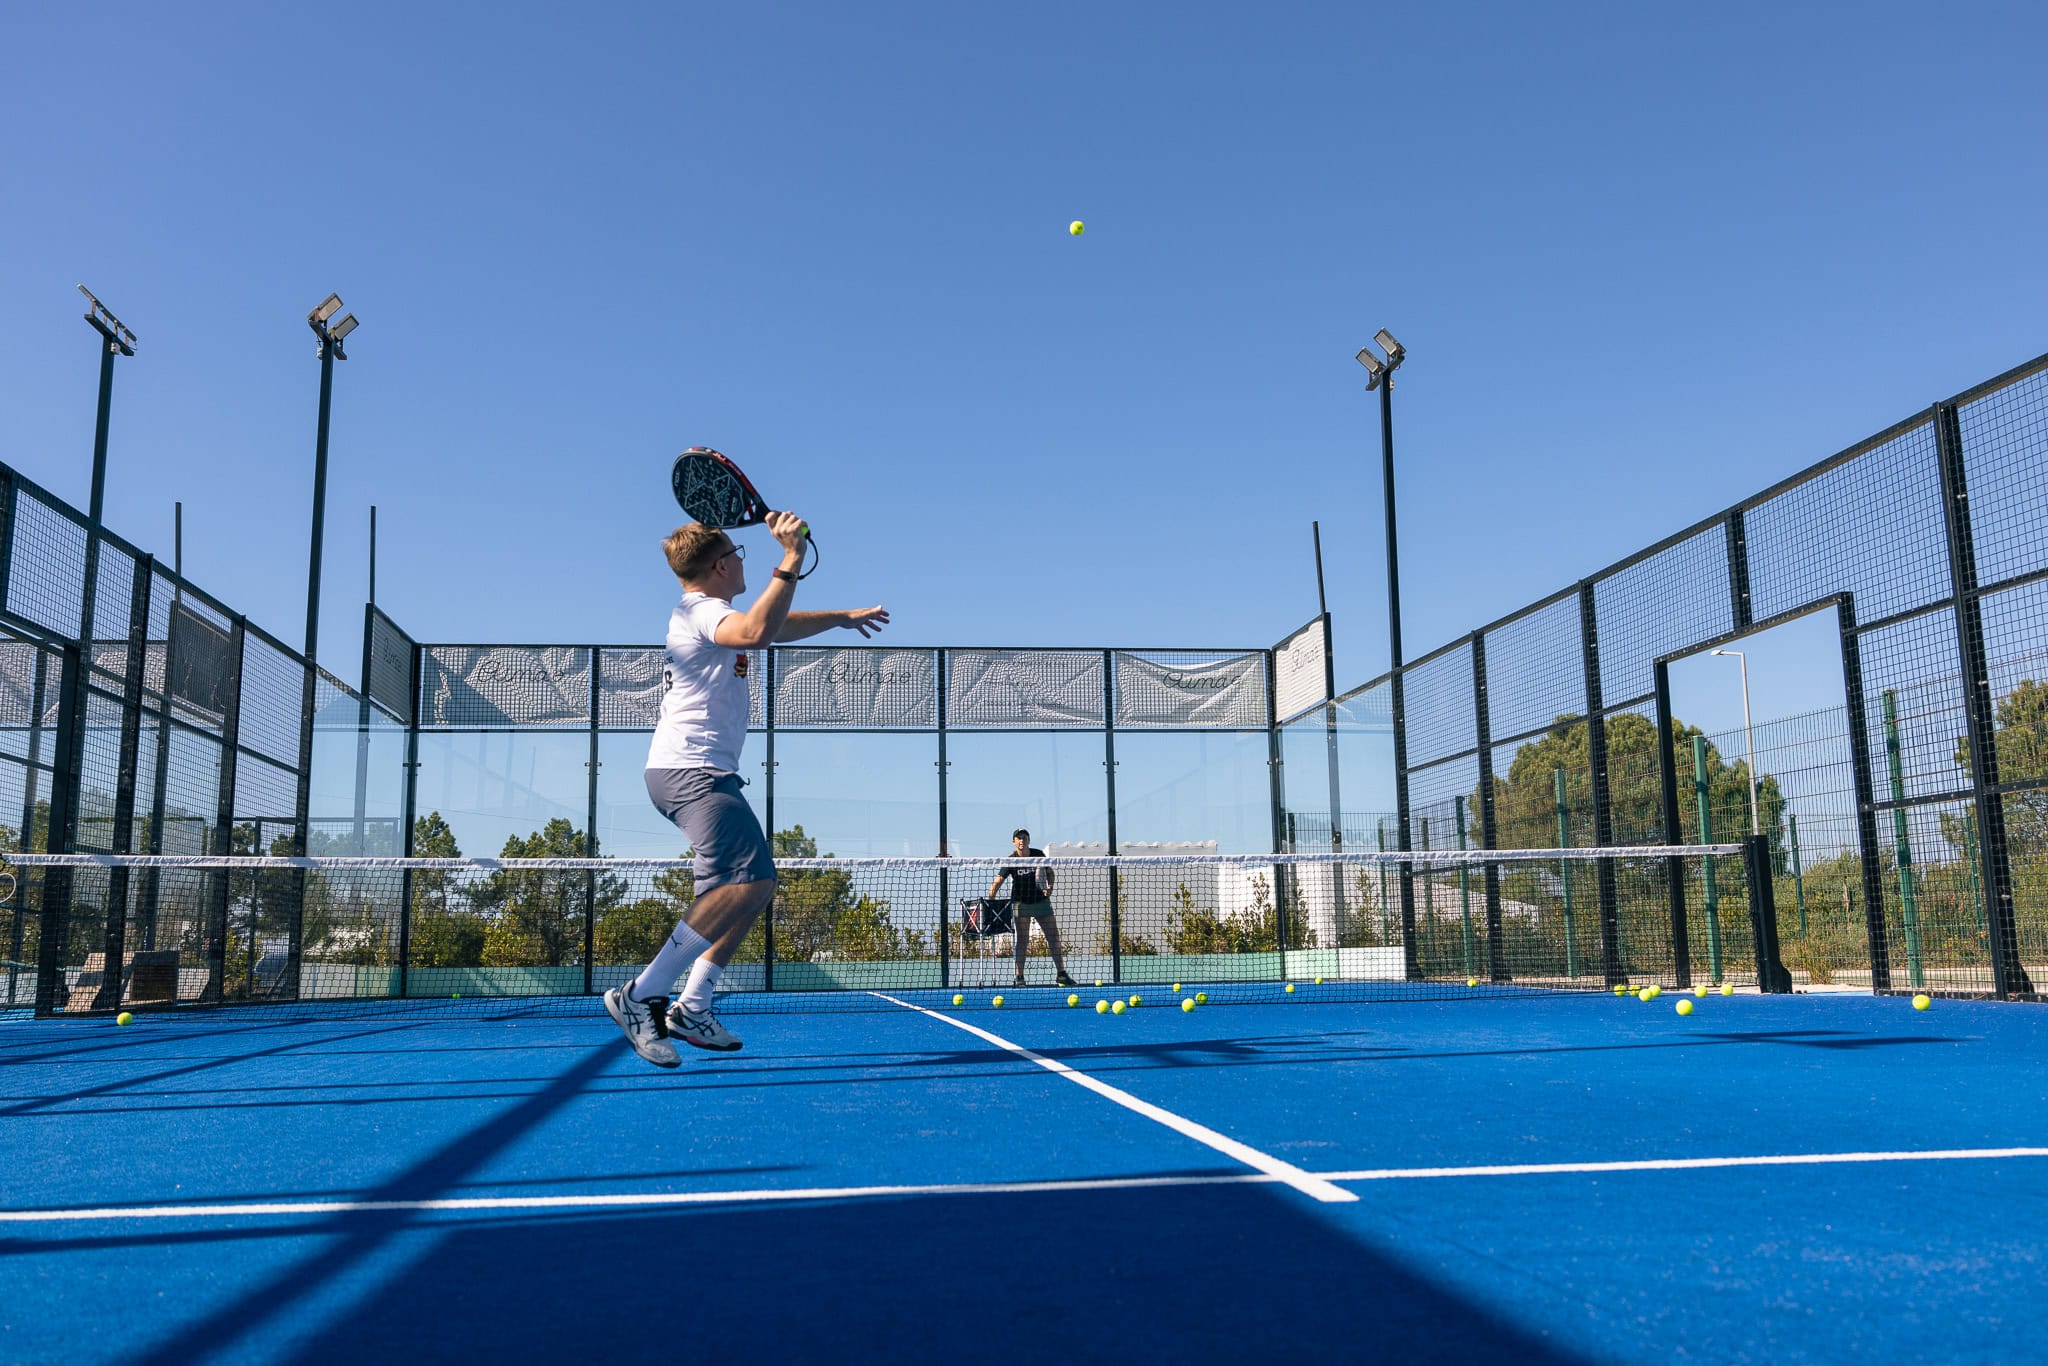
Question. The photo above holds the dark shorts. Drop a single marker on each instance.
(1033, 909)
(725, 836)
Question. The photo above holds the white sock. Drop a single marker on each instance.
(704, 976)
(679, 952)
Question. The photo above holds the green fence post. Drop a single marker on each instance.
(1970, 870)
(1909, 900)
(1428, 895)
(1706, 822)
(1464, 888)
(1386, 919)
(1798, 875)
(1564, 870)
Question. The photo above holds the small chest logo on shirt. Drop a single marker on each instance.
(739, 665)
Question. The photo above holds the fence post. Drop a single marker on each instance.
(1276, 790)
(2009, 977)
(129, 760)
(1667, 794)
(1771, 975)
(1116, 935)
(1902, 842)
(1564, 873)
(590, 841)
(410, 818)
(945, 849)
(1603, 821)
(768, 666)
(1798, 874)
(1489, 833)
(1866, 796)
(1704, 816)
(63, 831)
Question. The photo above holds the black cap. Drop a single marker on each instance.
(1021, 834)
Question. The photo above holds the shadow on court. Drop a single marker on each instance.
(1223, 1273)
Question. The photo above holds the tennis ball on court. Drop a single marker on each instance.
(1076, 227)
(1187, 1006)
(454, 995)
(1699, 991)
(958, 999)
(1727, 989)
(1137, 1000)
(1073, 1000)
(1176, 988)
(1684, 1007)
(1098, 981)
(1469, 981)
(1652, 992)
(1621, 988)
(1201, 998)
(1290, 988)
(1642, 993)
(124, 1018)
(997, 1003)
(1319, 981)
(1117, 1008)
(1102, 1007)
(1920, 1002)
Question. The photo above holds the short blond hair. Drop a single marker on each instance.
(691, 549)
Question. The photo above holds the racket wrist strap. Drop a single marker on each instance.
(785, 575)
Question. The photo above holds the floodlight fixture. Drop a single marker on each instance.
(329, 306)
(119, 338)
(1373, 368)
(343, 326)
(1396, 352)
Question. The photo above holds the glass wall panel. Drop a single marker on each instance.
(860, 796)
(494, 787)
(1194, 790)
(628, 826)
(1048, 782)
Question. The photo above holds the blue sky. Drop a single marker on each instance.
(1646, 259)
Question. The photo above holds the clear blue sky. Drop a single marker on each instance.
(1646, 259)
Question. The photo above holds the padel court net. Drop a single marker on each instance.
(475, 935)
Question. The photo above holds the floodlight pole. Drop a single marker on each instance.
(119, 342)
(1748, 738)
(1380, 375)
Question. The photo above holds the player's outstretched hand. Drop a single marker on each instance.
(867, 620)
(789, 529)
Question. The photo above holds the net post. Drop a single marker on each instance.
(1116, 924)
(63, 830)
(945, 850)
(1612, 966)
(1866, 794)
(1489, 835)
(1771, 974)
(1674, 867)
(2009, 976)
(126, 765)
(590, 845)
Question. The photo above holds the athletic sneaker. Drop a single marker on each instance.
(1065, 980)
(644, 1025)
(701, 1029)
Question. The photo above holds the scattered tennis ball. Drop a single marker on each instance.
(1137, 1000)
(1201, 998)
(1187, 1005)
(958, 999)
(1653, 991)
(1469, 981)
(1077, 227)
(1642, 993)
(1621, 988)
(1176, 988)
(1727, 989)
(1699, 991)
(1117, 1008)
(124, 1018)
(454, 995)
(997, 1003)
(1102, 1007)
(1319, 981)
(1098, 981)
(1073, 1000)
(1684, 1007)
(1920, 1002)
(1290, 988)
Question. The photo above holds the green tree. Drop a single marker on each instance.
(536, 918)
(445, 932)
(633, 931)
(820, 916)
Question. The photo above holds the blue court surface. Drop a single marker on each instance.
(1553, 1178)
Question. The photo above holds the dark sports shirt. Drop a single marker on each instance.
(1024, 881)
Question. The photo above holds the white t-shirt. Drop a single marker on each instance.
(704, 691)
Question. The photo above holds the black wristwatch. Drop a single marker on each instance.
(785, 576)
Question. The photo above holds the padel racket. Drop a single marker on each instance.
(716, 492)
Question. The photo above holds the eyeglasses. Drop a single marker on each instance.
(738, 552)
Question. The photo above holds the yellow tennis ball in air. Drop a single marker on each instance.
(958, 999)
(1920, 1002)
(1117, 1008)
(1077, 227)
(1727, 989)
(1073, 1000)
(1187, 1005)
(124, 1018)
(1201, 998)
(1102, 1007)
(997, 1003)
(1684, 1007)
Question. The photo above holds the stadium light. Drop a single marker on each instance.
(1374, 369)
(326, 309)
(1395, 351)
(344, 326)
(1748, 737)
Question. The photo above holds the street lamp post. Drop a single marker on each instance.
(1748, 738)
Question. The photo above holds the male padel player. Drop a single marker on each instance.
(1031, 899)
(693, 775)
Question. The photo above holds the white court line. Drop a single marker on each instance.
(1284, 1172)
(750, 1197)
(1680, 1164)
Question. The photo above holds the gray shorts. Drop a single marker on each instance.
(724, 833)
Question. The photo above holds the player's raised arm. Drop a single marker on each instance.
(866, 620)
